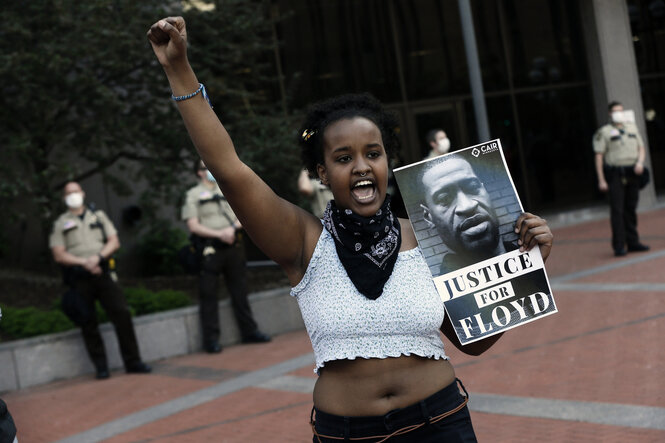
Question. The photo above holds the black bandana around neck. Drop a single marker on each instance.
(366, 246)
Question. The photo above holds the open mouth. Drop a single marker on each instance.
(363, 190)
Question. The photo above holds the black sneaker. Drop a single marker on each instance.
(102, 373)
(256, 337)
(637, 247)
(138, 368)
(619, 252)
(215, 348)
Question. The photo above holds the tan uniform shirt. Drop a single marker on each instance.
(319, 198)
(209, 206)
(619, 146)
(82, 237)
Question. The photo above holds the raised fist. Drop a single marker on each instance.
(168, 38)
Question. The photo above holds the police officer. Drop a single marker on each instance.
(438, 142)
(619, 161)
(214, 228)
(82, 242)
(318, 194)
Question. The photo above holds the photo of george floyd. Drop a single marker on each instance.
(463, 207)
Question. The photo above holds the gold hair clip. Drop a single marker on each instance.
(306, 134)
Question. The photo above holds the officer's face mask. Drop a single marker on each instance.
(210, 177)
(443, 146)
(625, 116)
(74, 200)
(618, 117)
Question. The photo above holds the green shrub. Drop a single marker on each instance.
(157, 249)
(145, 301)
(28, 322)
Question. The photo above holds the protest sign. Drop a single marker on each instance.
(463, 207)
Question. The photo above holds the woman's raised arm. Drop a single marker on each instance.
(280, 229)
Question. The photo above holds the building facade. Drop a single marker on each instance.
(548, 69)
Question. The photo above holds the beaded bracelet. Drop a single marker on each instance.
(201, 89)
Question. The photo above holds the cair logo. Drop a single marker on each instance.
(485, 149)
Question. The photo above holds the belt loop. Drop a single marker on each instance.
(425, 412)
(463, 388)
(347, 428)
(312, 423)
(387, 420)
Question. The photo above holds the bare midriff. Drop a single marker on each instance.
(370, 387)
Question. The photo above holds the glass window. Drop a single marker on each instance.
(557, 126)
(653, 97)
(501, 119)
(503, 126)
(545, 42)
(430, 43)
(647, 21)
(334, 47)
(491, 53)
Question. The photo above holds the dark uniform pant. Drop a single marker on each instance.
(623, 194)
(230, 262)
(104, 289)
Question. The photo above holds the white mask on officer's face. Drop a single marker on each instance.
(618, 117)
(443, 145)
(74, 200)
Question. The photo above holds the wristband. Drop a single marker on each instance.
(202, 90)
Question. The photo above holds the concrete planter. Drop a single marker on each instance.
(46, 358)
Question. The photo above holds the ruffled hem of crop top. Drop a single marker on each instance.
(344, 324)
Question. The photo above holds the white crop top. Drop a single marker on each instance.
(344, 324)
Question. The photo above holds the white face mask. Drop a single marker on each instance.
(443, 146)
(625, 116)
(210, 177)
(74, 200)
(618, 117)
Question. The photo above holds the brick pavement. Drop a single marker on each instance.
(602, 351)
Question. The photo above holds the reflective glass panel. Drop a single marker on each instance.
(491, 53)
(334, 47)
(431, 48)
(653, 97)
(557, 127)
(647, 22)
(545, 42)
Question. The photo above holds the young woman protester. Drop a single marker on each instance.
(362, 284)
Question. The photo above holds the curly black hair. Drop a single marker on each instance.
(320, 115)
